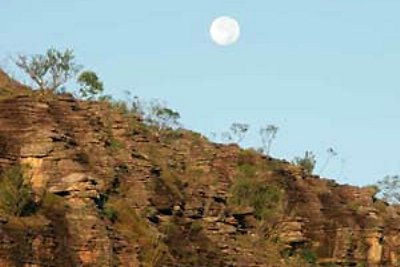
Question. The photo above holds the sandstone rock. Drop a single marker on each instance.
(225, 228)
(291, 232)
(3, 219)
(36, 150)
(211, 219)
(341, 224)
(76, 185)
(375, 242)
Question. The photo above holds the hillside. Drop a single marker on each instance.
(110, 190)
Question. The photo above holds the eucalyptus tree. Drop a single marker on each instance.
(51, 70)
(239, 130)
(268, 135)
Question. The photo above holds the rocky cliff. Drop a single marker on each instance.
(109, 190)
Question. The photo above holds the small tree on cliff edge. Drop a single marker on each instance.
(159, 115)
(239, 130)
(90, 85)
(268, 134)
(51, 70)
(308, 161)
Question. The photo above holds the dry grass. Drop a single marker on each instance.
(136, 229)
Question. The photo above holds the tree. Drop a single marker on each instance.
(90, 85)
(15, 193)
(308, 162)
(135, 104)
(268, 134)
(389, 189)
(226, 137)
(51, 70)
(331, 154)
(161, 116)
(239, 130)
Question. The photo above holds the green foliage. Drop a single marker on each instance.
(110, 213)
(247, 170)
(90, 85)
(307, 162)
(15, 192)
(300, 257)
(196, 227)
(53, 203)
(114, 145)
(247, 191)
(120, 106)
(105, 98)
(389, 189)
(137, 230)
(308, 256)
(161, 116)
(51, 70)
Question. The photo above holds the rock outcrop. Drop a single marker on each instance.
(110, 190)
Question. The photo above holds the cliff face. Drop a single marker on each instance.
(112, 191)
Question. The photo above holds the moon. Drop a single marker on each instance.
(225, 31)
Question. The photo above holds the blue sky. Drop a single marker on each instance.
(324, 71)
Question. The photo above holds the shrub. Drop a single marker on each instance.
(248, 191)
(110, 213)
(53, 203)
(105, 98)
(308, 256)
(196, 227)
(247, 157)
(90, 85)
(113, 145)
(51, 70)
(119, 106)
(307, 162)
(300, 257)
(161, 116)
(15, 192)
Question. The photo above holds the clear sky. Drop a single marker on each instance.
(325, 71)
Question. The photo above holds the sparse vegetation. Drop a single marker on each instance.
(307, 162)
(226, 137)
(152, 247)
(113, 145)
(161, 116)
(331, 153)
(248, 191)
(15, 192)
(50, 70)
(268, 135)
(119, 106)
(239, 130)
(175, 165)
(300, 257)
(110, 213)
(90, 85)
(308, 256)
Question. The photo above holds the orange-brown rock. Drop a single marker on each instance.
(112, 191)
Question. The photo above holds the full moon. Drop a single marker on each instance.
(225, 31)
